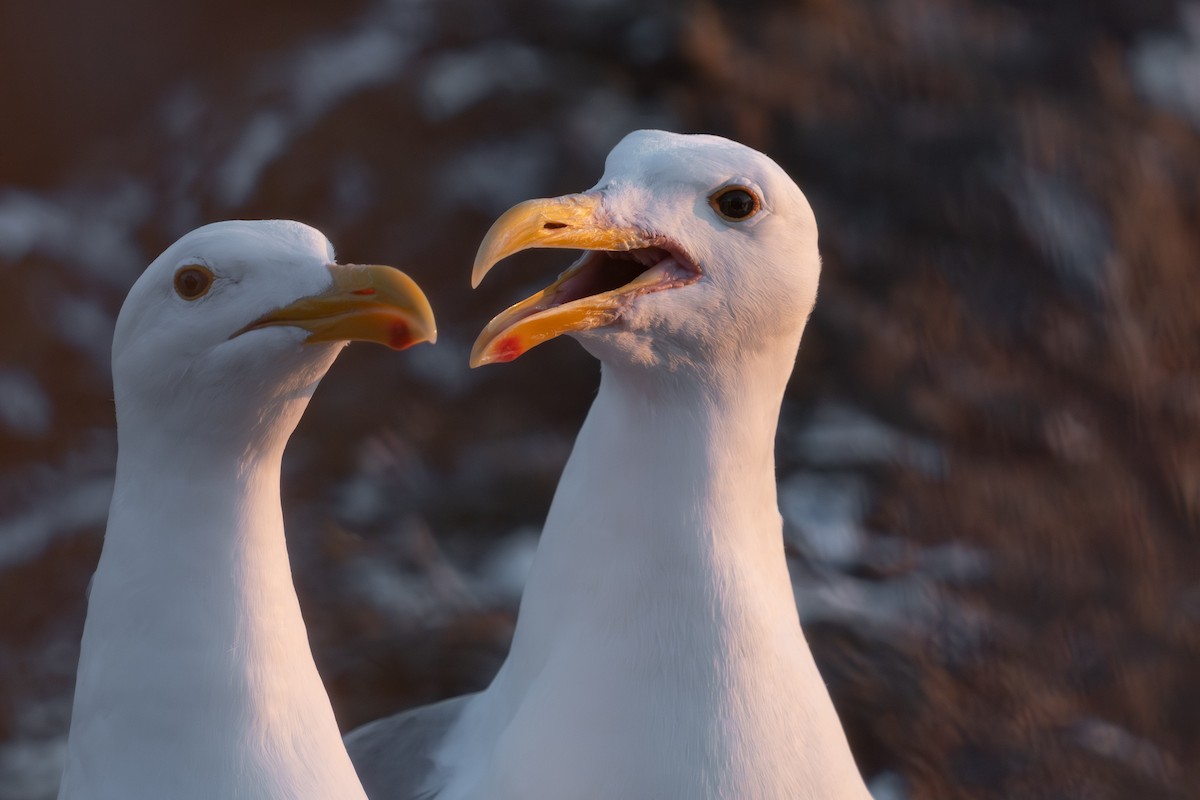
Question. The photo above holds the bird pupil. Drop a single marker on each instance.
(191, 283)
(737, 203)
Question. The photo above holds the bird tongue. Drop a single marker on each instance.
(607, 271)
(666, 270)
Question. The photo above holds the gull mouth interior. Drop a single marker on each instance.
(594, 292)
(637, 271)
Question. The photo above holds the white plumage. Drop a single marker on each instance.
(195, 678)
(658, 652)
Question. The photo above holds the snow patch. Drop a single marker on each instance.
(825, 512)
(456, 81)
(70, 508)
(888, 786)
(1166, 68)
(25, 408)
(506, 569)
(85, 324)
(262, 142)
(841, 436)
(1113, 742)
(492, 176)
(30, 769)
(1068, 228)
(90, 230)
(333, 69)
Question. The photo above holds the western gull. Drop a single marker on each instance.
(195, 675)
(658, 652)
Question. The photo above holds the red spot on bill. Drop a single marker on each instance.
(399, 337)
(367, 291)
(508, 348)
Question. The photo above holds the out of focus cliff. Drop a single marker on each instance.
(990, 458)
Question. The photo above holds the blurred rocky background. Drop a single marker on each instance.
(990, 456)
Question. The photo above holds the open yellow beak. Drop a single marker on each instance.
(364, 304)
(575, 221)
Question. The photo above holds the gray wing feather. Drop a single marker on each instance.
(394, 755)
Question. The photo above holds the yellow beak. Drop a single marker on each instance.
(575, 221)
(364, 304)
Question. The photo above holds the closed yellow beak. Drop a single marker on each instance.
(365, 304)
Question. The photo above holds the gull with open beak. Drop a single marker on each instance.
(622, 262)
(658, 652)
(195, 679)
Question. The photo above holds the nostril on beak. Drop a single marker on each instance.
(550, 226)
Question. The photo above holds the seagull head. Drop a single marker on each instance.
(696, 249)
(237, 318)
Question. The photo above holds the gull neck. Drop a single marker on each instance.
(196, 679)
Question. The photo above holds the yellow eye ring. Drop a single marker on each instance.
(193, 281)
(735, 203)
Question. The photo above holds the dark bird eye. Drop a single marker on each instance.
(192, 283)
(735, 203)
